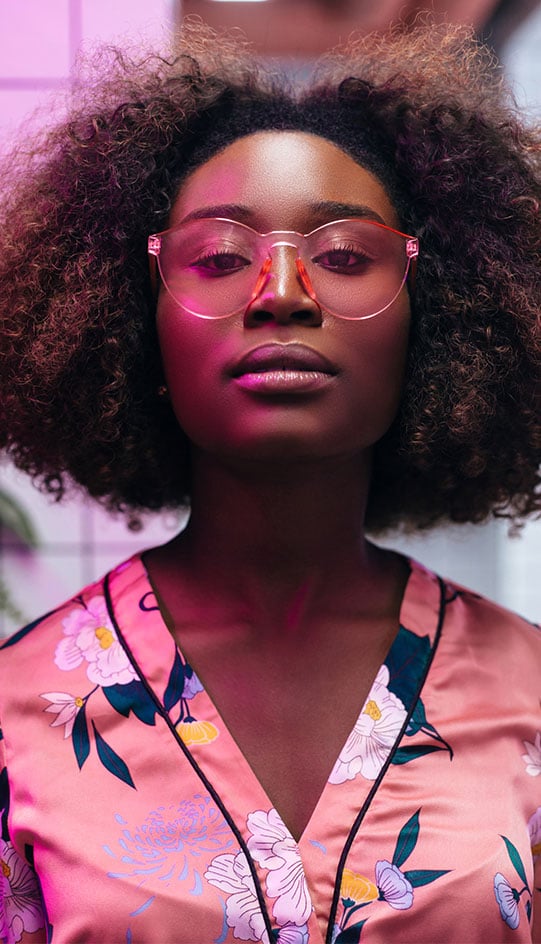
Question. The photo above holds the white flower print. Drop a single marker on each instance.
(532, 758)
(507, 899)
(273, 847)
(65, 707)
(394, 887)
(374, 734)
(534, 829)
(20, 902)
(231, 874)
(90, 636)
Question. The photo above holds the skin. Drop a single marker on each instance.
(275, 596)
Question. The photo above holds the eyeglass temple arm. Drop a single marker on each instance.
(153, 249)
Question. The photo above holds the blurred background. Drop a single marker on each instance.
(49, 551)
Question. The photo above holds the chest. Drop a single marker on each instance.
(291, 708)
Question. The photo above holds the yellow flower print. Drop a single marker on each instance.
(197, 732)
(357, 888)
(371, 709)
(104, 637)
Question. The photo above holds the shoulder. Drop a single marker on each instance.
(480, 621)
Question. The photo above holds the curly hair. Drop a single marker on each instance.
(81, 368)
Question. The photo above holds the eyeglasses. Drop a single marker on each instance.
(214, 267)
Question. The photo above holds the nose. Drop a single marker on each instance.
(283, 292)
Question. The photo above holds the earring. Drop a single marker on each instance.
(162, 391)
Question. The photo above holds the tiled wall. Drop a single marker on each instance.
(77, 542)
(39, 40)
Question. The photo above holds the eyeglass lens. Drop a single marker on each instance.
(356, 267)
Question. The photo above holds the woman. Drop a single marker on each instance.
(270, 728)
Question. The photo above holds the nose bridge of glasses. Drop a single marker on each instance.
(282, 256)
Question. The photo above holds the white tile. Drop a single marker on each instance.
(127, 19)
(157, 528)
(484, 558)
(34, 38)
(55, 523)
(36, 583)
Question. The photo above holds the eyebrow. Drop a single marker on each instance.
(222, 210)
(324, 210)
(332, 209)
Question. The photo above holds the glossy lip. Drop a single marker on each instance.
(282, 359)
(283, 370)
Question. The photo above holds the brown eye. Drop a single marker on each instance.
(220, 263)
(347, 259)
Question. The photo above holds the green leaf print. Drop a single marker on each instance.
(351, 935)
(418, 877)
(410, 752)
(407, 840)
(516, 860)
(80, 738)
(111, 760)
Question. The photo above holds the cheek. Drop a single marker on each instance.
(381, 348)
(193, 354)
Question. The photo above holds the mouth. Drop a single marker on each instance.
(283, 368)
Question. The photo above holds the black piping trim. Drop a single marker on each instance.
(375, 786)
(215, 796)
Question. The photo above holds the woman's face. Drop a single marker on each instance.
(283, 379)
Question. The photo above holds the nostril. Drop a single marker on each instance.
(261, 316)
(303, 314)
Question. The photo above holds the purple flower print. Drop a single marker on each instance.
(508, 899)
(394, 887)
(534, 829)
(20, 902)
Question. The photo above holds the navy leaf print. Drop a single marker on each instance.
(406, 663)
(80, 738)
(418, 720)
(404, 754)
(516, 860)
(132, 696)
(407, 840)
(418, 877)
(175, 685)
(111, 760)
(351, 935)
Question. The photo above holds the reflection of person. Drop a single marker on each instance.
(269, 728)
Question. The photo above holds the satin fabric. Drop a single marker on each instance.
(130, 815)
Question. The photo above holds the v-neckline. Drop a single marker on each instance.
(207, 711)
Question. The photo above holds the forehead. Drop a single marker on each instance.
(279, 177)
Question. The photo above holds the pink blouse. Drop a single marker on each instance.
(130, 815)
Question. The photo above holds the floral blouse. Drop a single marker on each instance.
(129, 814)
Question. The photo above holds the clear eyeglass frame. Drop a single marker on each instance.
(258, 277)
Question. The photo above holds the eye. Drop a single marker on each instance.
(218, 262)
(347, 259)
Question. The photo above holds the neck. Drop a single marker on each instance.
(280, 541)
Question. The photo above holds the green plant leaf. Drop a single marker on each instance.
(14, 517)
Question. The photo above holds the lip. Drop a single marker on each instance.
(283, 358)
(274, 369)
